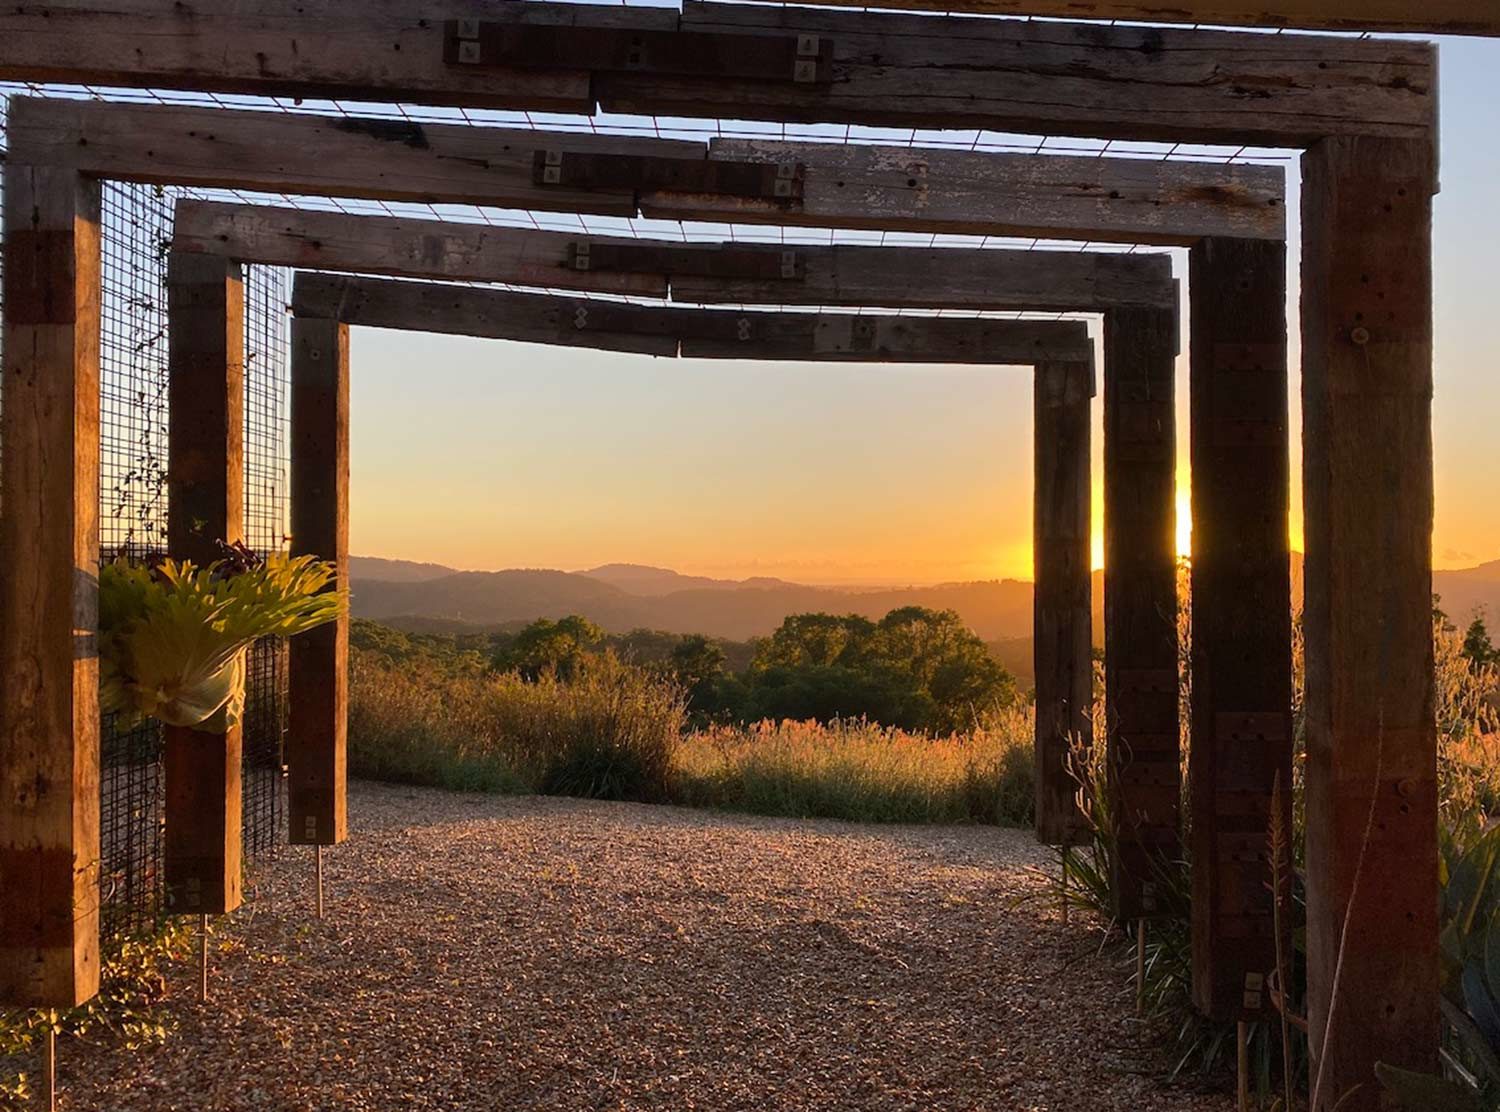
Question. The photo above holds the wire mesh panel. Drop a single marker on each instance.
(136, 235)
(267, 384)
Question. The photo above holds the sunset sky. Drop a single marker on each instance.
(486, 454)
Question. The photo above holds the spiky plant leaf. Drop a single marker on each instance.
(1421, 1092)
(172, 643)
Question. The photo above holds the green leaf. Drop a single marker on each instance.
(1423, 1092)
(1491, 954)
(1482, 1007)
(1481, 1055)
(1469, 888)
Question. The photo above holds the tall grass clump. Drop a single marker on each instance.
(608, 732)
(1468, 743)
(861, 771)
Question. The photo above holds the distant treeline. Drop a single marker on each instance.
(915, 669)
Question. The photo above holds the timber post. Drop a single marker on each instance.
(206, 494)
(1372, 854)
(49, 592)
(1140, 600)
(1241, 712)
(1063, 622)
(319, 694)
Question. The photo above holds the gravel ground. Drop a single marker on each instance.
(501, 953)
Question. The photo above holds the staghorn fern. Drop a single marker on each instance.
(172, 639)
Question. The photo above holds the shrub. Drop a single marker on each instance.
(609, 732)
(861, 771)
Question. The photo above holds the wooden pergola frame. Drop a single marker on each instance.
(1060, 353)
(1362, 110)
(1136, 293)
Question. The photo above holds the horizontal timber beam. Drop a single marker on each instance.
(1431, 17)
(1107, 199)
(1114, 82)
(695, 333)
(320, 155)
(874, 68)
(897, 277)
(985, 193)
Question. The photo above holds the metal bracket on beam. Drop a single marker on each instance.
(801, 59)
(682, 325)
(770, 181)
(763, 263)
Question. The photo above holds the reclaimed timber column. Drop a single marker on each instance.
(1241, 716)
(319, 694)
(1140, 599)
(1063, 622)
(49, 590)
(1372, 855)
(206, 497)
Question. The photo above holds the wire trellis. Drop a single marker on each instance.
(136, 230)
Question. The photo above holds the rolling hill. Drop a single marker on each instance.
(622, 597)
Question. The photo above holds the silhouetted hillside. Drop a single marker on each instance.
(623, 597)
(639, 579)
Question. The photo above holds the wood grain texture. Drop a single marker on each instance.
(316, 155)
(701, 333)
(1140, 600)
(954, 278)
(1241, 718)
(886, 69)
(895, 277)
(1367, 482)
(1063, 614)
(383, 50)
(987, 193)
(1108, 199)
(316, 745)
(1439, 17)
(205, 507)
(1108, 82)
(49, 592)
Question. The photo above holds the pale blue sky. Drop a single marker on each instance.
(488, 454)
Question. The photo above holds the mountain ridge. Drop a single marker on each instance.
(621, 597)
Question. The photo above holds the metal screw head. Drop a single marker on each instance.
(1360, 335)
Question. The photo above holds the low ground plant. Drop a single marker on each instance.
(864, 772)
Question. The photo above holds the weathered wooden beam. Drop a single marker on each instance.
(205, 509)
(319, 697)
(1241, 722)
(1113, 82)
(919, 189)
(400, 247)
(1006, 75)
(699, 272)
(321, 155)
(1439, 17)
(1062, 610)
(49, 598)
(1140, 601)
(954, 278)
(493, 314)
(701, 333)
(1372, 858)
(382, 50)
(1124, 199)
